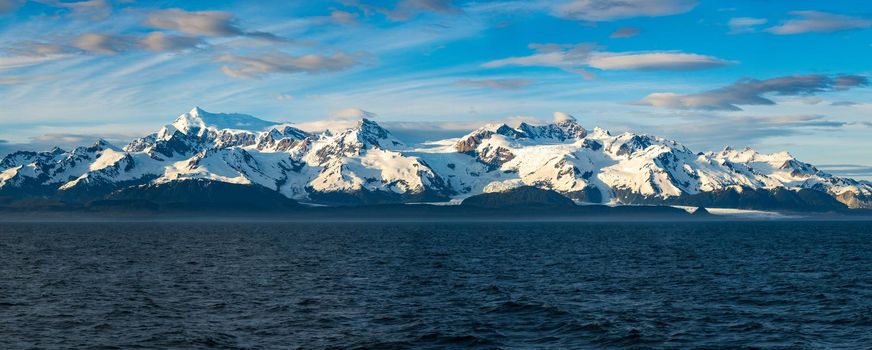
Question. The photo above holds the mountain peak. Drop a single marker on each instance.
(101, 144)
(370, 132)
(198, 120)
(599, 132)
(197, 111)
(364, 122)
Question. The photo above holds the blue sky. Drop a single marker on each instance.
(773, 75)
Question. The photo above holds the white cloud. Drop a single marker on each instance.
(406, 9)
(103, 43)
(64, 139)
(625, 32)
(609, 10)
(856, 171)
(247, 67)
(95, 10)
(716, 131)
(547, 59)
(819, 22)
(752, 91)
(9, 6)
(560, 117)
(352, 114)
(322, 125)
(29, 53)
(285, 97)
(745, 24)
(158, 42)
(35, 49)
(339, 120)
(499, 84)
(15, 80)
(678, 61)
(576, 58)
(203, 23)
(844, 103)
(18, 61)
(410, 8)
(343, 17)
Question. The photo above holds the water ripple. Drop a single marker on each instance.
(436, 286)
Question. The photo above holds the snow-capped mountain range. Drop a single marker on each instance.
(366, 164)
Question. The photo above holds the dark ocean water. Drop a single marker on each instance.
(385, 286)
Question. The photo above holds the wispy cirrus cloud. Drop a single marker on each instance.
(844, 103)
(28, 53)
(706, 131)
(801, 120)
(740, 25)
(625, 32)
(609, 10)
(95, 10)
(9, 6)
(178, 30)
(158, 42)
(36, 49)
(578, 58)
(848, 170)
(203, 23)
(406, 9)
(248, 67)
(753, 91)
(22, 79)
(499, 84)
(21, 59)
(343, 17)
(665, 60)
(285, 97)
(819, 22)
(103, 43)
